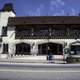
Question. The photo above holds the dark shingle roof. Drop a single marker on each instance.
(28, 20)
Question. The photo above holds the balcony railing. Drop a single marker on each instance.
(42, 34)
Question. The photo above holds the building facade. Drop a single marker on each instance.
(38, 35)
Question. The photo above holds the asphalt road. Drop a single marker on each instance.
(39, 72)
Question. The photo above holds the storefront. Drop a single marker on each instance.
(54, 48)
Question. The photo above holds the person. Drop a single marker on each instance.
(49, 56)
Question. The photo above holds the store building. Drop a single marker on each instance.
(38, 35)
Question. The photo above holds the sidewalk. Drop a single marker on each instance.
(30, 59)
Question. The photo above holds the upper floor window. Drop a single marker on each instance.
(4, 31)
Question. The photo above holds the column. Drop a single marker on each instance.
(58, 50)
(11, 49)
(34, 49)
(1, 48)
(50, 32)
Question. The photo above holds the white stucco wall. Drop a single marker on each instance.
(4, 19)
(10, 39)
(34, 43)
(3, 23)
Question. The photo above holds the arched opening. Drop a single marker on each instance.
(75, 48)
(22, 49)
(54, 48)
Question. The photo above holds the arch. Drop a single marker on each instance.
(56, 42)
(22, 49)
(75, 47)
(54, 48)
(74, 43)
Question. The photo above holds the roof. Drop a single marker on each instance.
(29, 20)
(7, 7)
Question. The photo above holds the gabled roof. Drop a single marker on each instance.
(28, 20)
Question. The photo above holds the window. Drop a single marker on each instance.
(4, 31)
(5, 48)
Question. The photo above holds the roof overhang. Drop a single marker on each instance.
(30, 20)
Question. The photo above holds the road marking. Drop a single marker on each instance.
(14, 70)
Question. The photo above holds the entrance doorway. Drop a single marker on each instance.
(22, 49)
(54, 48)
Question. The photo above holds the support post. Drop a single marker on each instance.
(34, 49)
(11, 50)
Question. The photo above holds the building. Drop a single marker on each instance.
(38, 35)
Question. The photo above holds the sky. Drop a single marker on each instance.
(44, 7)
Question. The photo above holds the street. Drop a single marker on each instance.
(16, 71)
